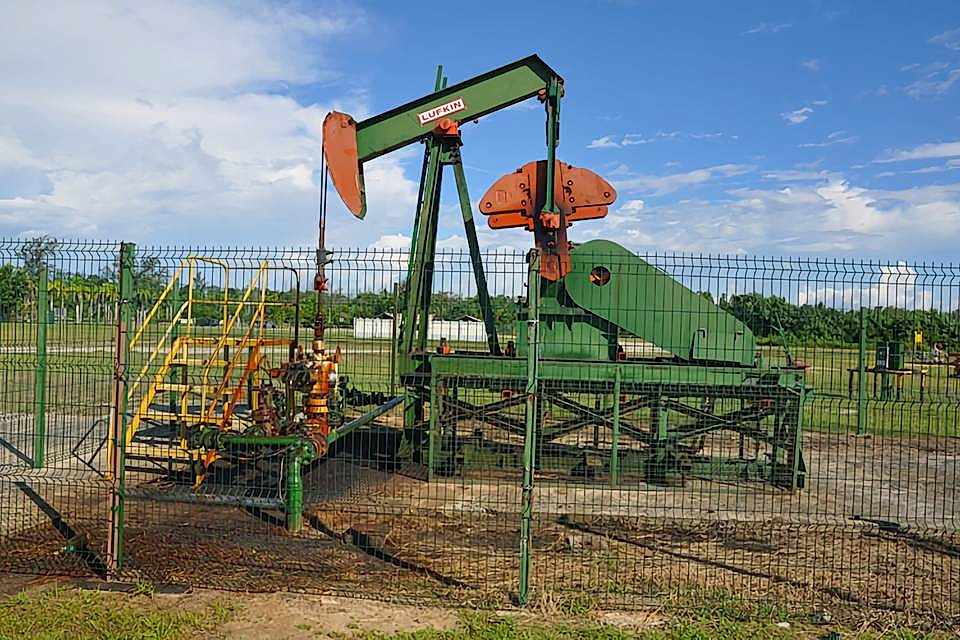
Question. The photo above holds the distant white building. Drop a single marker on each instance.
(379, 328)
(463, 329)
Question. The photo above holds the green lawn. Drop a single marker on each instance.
(72, 614)
(80, 355)
(60, 613)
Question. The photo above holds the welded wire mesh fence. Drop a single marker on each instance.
(655, 427)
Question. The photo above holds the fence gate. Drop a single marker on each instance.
(58, 321)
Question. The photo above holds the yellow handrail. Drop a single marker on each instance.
(228, 327)
(156, 348)
(147, 400)
(212, 346)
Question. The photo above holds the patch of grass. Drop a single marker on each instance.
(70, 614)
(479, 626)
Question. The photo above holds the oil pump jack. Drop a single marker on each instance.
(584, 302)
(605, 342)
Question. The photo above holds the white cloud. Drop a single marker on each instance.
(661, 185)
(767, 27)
(805, 214)
(811, 64)
(632, 206)
(632, 139)
(949, 39)
(934, 84)
(606, 142)
(949, 165)
(798, 116)
(168, 120)
(923, 152)
(837, 137)
(636, 138)
(793, 175)
(889, 285)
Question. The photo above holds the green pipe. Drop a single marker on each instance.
(530, 426)
(294, 498)
(40, 376)
(300, 451)
(309, 449)
(360, 421)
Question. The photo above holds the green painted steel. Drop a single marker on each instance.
(577, 372)
(298, 451)
(125, 318)
(483, 295)
(648, 303)
(480, 95)
(294, 497)
(554, 89)
(412, 334)
(862, 375)
(530, 426)
(432, 435)
(40, 376)
(615, 437)
(568, 332)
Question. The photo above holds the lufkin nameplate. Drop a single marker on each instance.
(441, 110)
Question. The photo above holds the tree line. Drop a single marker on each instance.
(92, 298)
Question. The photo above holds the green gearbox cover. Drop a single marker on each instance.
(616, 285)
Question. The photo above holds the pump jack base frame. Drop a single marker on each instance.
(666, 412)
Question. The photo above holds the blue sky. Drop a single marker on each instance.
(813, 128)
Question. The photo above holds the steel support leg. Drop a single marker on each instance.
(483, 295)
(530, 433)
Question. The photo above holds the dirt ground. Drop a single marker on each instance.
(875, 528)
(293, 616)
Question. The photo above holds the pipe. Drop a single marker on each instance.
(301, 450)
(294, 493)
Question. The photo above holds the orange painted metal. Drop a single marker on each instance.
(517, 199)
(340, 151)
(447, 127)
(512, 201)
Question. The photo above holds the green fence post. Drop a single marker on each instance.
(174, 376)
(118, 409)
(40, 376)
(615, 440)
(432, 434)
(529, 436)
(862, 373)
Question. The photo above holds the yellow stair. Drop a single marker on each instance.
(213, 369)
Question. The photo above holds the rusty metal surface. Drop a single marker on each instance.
(517, 199)
(513, 200)
(340, 151)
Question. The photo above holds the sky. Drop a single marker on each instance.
(809, 128)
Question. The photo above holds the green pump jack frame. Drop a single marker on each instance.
(441, 151)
